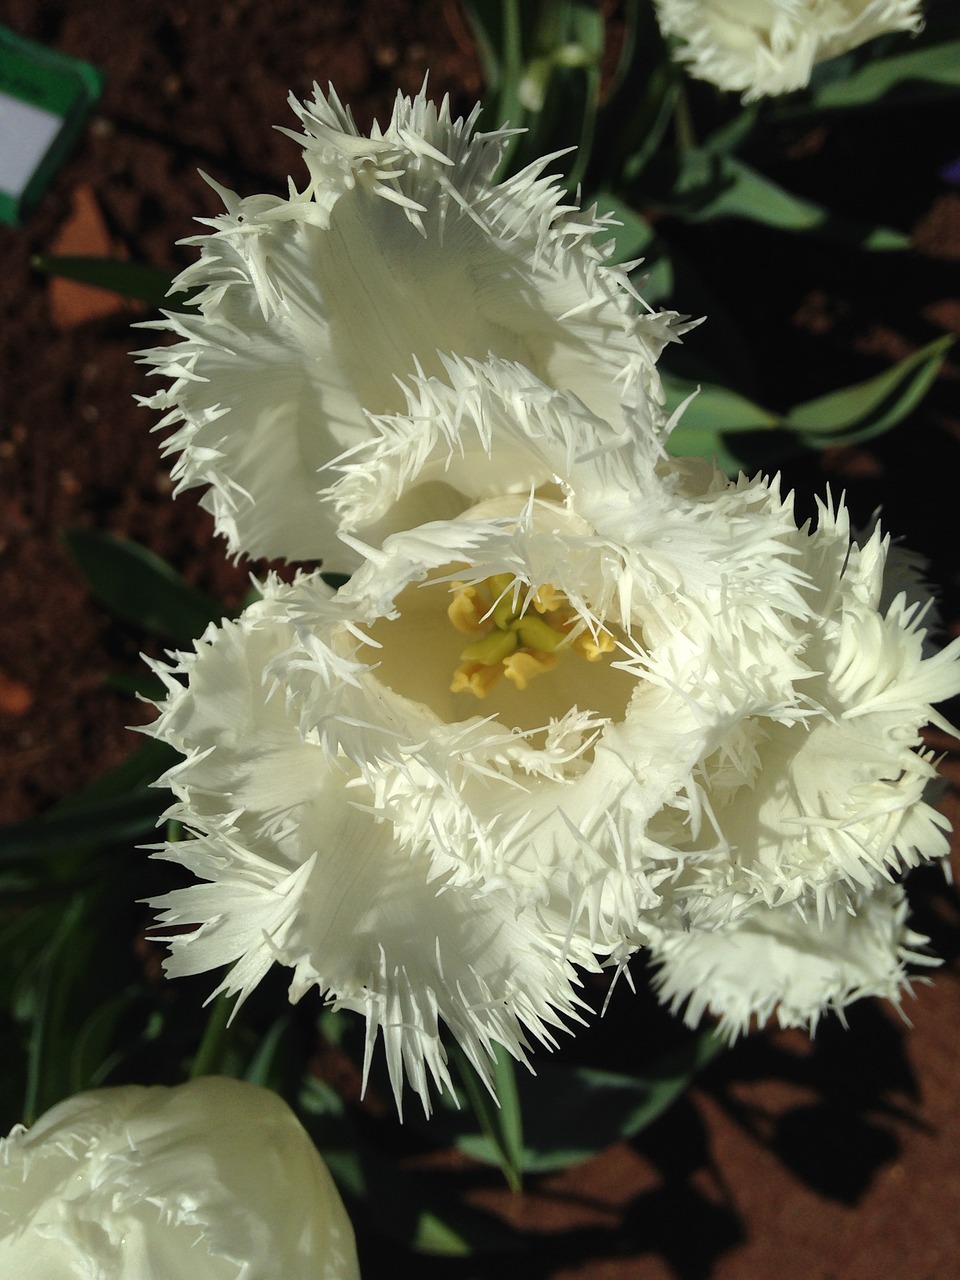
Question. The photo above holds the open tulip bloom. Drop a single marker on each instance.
(578, 698)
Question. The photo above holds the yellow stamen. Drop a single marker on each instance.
(547, 598)
(516, 640)
(522, 667)
(466, 610)
(593, 647)
(475, 678)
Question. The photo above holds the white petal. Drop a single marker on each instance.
(778, 960)
(400, 248)
(214, 1179)
(299, 865)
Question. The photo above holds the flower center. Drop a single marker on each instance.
(520, 633)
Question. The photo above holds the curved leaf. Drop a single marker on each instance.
(129, 279)
(871, 407)
(141, 588)
(707, 185)
(572, 1113)
(904, 74)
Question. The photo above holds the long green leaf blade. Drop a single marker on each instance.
(141, 588)
(868, 408)
(129, 279)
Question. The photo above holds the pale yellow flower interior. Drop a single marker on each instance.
(529, 656)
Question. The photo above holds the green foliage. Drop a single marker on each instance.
(129, 279)
(913, 75)
(718, 422)
(700, 185)
(499, 1114)
(541, 61)
(869, 408)
(121, 807)
(572, 1113)
(417, 1209)
(141, 588)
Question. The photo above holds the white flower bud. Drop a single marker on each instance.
(211, 1180)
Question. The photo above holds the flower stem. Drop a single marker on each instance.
(209, 1057)
(683, 130)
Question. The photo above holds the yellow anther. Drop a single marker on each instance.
(513, 638)
(466, 610)
(476, 678)
(547, 598)
(593, 647)
(526, 665)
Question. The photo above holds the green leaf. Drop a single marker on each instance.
(417, 1209)
(502, 1125)
(543, 61)
(94, 1051)
(637, 112)
(141, 588)
(119, 808)
(705, 186)
(129, 279)
(208, 1060)
(705, 442)
(572, 1113)
(634, 238)
(713, 407)
(45, 998)
(899, 77)
(268, 1065)
(722, 424)
(869, 408)
(632, 235)
(121, 820)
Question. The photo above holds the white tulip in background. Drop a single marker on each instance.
(764, 47)
(211, 1180)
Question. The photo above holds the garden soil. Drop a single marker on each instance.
(789, 1159)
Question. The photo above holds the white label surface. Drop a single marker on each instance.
(25, 134)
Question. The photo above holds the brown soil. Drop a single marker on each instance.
(837, 1159)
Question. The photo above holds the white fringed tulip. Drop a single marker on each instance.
(211, 1180)
(777, 960)
(764, 47)
(400, 247)
(631, 697)
(785, 672)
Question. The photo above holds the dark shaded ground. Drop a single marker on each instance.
(838, 1159)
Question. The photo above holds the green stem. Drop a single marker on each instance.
(683, 130)
(208, 1060)
(500, 1121)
